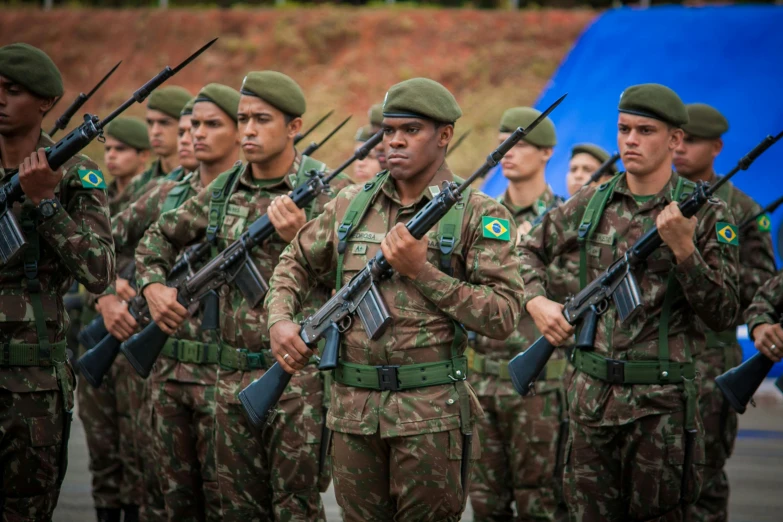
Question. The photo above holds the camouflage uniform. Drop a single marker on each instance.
(723, 352)
(398, 454)
(767, 304)
(520, 436)
(624, 459)
(36, 397)
(273, 476)
(147, 179)
(181, 395)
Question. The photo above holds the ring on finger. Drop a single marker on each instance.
(286, 356)
(773, 348)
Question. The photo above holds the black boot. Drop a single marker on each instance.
(131, 513)
(108, 514)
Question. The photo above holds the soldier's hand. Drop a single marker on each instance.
(119, 322)
(768, 339)
(286, 217)
(288, 348)
(165, 310)
(549, 319)
(677, 231)
(124, 289)
(36, 178)
(406, 254)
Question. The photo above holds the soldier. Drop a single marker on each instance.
(127, 151)
(402, 445)
(365, 169)
(764, 320)
(274, 476)
(520, 436)
(694, 160)
(66, 224)
(585, 159)
(187, 156)
(632, 401)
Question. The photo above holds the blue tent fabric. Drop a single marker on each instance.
(729, 57)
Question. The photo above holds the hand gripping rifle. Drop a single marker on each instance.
(617, 283)
(300, 137)
(232, 265)
(102, 347)
(361, 295)
(63, 121)
(12, 240)
(315, 146)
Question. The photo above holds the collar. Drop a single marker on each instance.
(544, 201)
(246, 177)
(666, 194)
(443, 173)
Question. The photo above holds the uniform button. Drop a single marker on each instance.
(450, 401)
(664, 374)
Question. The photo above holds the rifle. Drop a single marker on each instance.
(361, 295)
(65, 118)
(300, 137)
(769, 209)
(232, 265)
(315, 146)
(13, 242)
(617, 283)
(102, 347)
(604, 168)
(458, 142)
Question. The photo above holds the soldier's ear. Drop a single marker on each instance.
(46, 104)
(445, 134)
(675, 138)
(294, 126)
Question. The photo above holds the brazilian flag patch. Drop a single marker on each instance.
(495, 228)
(765, 225)
(727, 233)
(92, 178)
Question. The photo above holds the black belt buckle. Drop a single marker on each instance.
(615, 371)
(387, 378)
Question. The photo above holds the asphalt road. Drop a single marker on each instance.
(754, 469)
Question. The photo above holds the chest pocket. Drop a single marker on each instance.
(601, 251)
(234, 223)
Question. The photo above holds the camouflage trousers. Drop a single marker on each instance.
(153, 506)
(521, 460)
(414, 478)
(98, 413)
(273, 475)
(128, 387)
(184, 438)
(34, 431)
(631, 472)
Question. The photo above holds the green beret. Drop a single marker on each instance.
(277, 89)
(705, 121)
(31, 68)
(221, 95)
(130, 131)
(376, 114)
(542, 136)
(656, 101)
(593, 150)
(364, 133)
(187, 110)
(421, 98)
(169, 100)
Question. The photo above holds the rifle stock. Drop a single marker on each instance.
(95, 364)
(739, 384)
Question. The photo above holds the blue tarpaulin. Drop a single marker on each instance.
(729, 57)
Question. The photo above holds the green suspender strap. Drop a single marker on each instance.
(307, 165)
(591, 217)
(450, 230)
(178, 194)
(221, 190)
(177, 174)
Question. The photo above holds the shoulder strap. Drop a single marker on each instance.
(592, 216)
(177, 174)
(307, 165)
(30, 258)
(177, 195)
(450, 232)
(221, 190)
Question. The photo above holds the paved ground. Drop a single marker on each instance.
(754, 470)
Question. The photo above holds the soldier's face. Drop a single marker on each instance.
(580, 168)
(413, 144)
(215, 134)
(524, 161)
(645, 144)
(263, 129)
(696, 155)
(365, 169)
(162, 129)
(187, 157)
(123, 161)
(20, 110)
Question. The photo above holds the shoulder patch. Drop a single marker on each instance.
(764, 223)
(91, 178)
(495, 228)
(727, 233)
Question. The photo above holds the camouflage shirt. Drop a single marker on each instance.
(485, 297)
(75, 243)
(767, 304)
(147, 179)
(708, 280)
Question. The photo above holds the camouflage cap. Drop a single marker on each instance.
(364, 133)
(542, 136)
(653, 100)
(376, 114)
(187, 110)
(130, 131)
(169, 100)
(421, 98)
(31, 68)
(705, 121)
(221, 95)
(277, 89)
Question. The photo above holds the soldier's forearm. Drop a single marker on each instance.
(711, 292)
